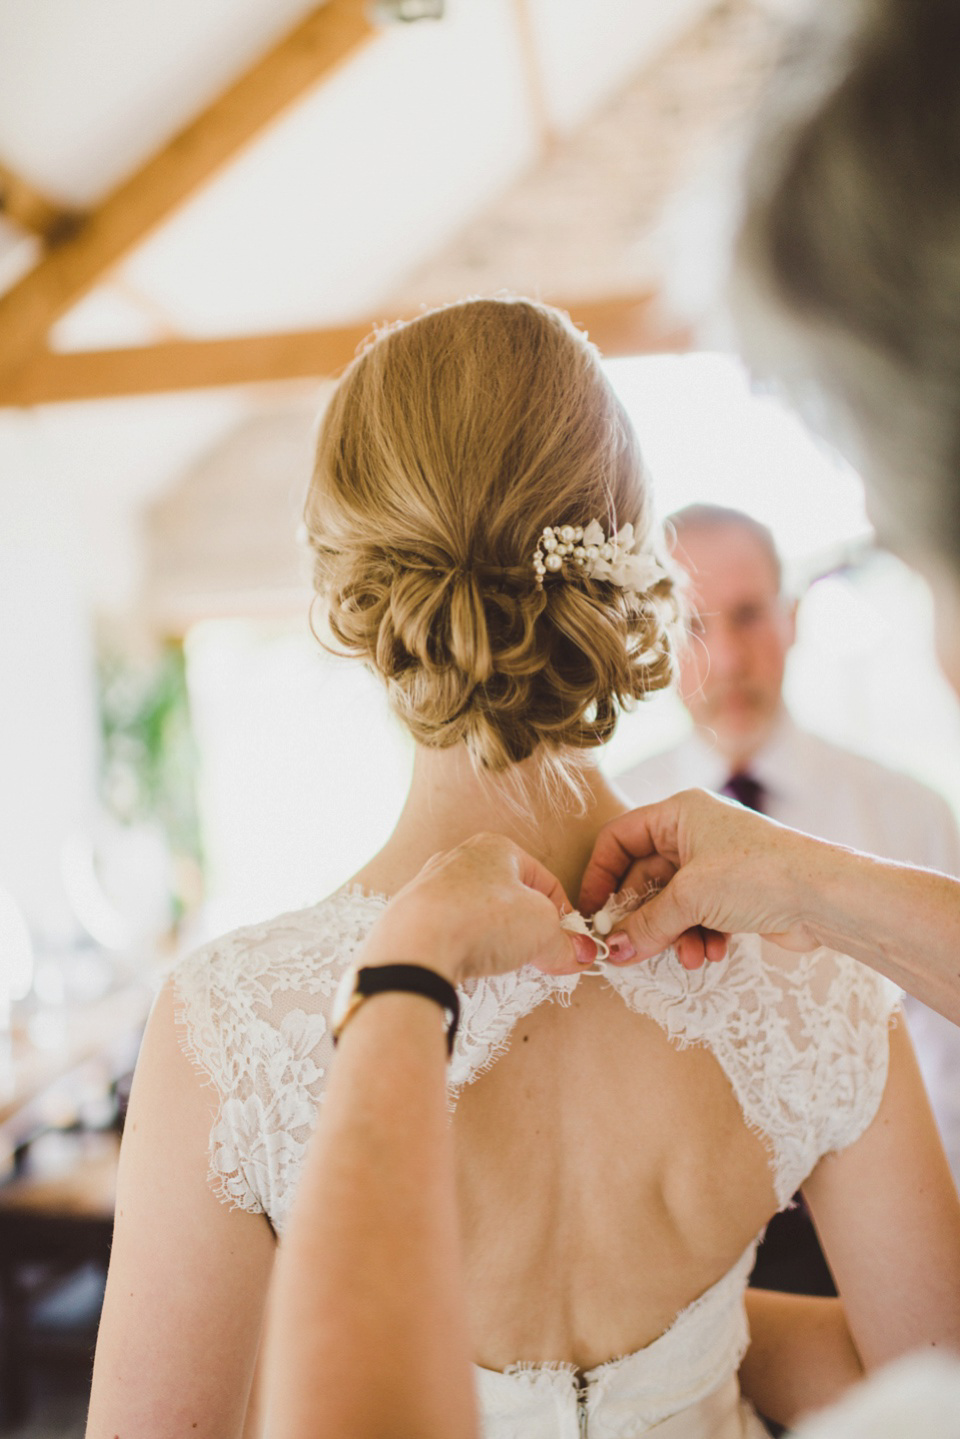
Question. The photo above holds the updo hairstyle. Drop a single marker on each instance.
(847, 273)
(448, 446)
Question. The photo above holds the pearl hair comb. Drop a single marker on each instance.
(620, 559)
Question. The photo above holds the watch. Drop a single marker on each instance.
(359, 985)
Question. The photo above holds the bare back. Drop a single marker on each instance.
(584, 1156)
(612, 1109)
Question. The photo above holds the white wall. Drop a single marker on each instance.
(72, 483)
(48, 717)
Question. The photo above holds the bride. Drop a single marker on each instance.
(483, 539)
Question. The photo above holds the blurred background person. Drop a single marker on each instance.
(746, 745)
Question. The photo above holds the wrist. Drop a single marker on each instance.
(799, 881)
(416, 935)
(396, 1020)
(363, 983)
(817, 878)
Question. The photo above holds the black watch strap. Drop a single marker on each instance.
(412, 979)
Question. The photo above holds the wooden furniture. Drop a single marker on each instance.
(55, 1223)
(58, 1187)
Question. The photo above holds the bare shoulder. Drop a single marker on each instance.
(165, 1155)
(167, 1086)
(188, 1274)
(889, 1218)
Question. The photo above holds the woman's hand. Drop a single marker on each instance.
(486, 907)
(725, 870)
(722, 868)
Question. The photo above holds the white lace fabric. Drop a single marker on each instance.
(255, 1006)
(802, 1039)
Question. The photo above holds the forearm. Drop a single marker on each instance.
(368, 1327)
(801, 1354)
(901, 921)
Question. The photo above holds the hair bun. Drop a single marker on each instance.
(447, 446)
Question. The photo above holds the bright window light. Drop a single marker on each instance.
(707, 437)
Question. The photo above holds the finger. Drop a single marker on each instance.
(565, 950)
(690, 948)
(647, 875)
(715, 945)
(619, 845)
(608, 864)
(658, 923)
(568, 954)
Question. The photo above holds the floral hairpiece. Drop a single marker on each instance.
(621, 560)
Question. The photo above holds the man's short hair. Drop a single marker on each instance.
(722, 517)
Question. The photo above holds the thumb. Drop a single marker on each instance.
(661, 921)
(569, 953)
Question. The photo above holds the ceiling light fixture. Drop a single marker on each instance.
(403, 12)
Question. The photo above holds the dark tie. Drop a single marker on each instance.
(747, 790)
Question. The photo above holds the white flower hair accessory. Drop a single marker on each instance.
(621, 560)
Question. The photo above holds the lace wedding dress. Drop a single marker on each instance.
(802, 1039)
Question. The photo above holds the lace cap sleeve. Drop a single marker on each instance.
(829, 1029)
(803, 1039)
(254, 1007)
(853, 1057)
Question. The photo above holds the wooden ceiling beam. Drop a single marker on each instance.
(174, 365)
(630, 325)
(26, 206)
(327, 37)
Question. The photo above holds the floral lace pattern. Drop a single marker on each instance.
(255, 1006)
(802, 1038)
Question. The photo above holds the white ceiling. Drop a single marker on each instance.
(90, 88)
(323, 216)
(319, 220)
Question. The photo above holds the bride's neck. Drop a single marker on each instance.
(449, 801)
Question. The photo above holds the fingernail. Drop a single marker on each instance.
(586, 949)
(621, 950)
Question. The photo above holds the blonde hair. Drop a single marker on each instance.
(450, 443)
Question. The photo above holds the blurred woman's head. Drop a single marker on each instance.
(449, 445)
(847, 278)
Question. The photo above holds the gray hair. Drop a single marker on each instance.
(846, 279)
